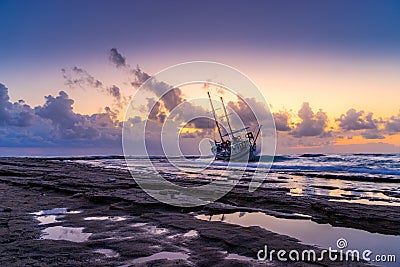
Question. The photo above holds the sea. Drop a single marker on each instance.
(372, 179)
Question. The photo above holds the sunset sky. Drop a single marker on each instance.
(330, 70)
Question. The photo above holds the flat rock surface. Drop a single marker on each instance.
(110, 221)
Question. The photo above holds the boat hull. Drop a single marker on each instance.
(242, 155)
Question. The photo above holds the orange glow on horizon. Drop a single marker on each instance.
(359, 140)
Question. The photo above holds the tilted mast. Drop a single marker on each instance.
(227, 118)
(215, 117)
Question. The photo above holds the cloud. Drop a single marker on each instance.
(114, 91)
(58, 110)
(21, 114)
(372, 134)
(242, 108)
(55, 124)
(117, 59)
(139, 77)
(4, 104)
(169, 97)
(156, 113)
(13, 114)
(282, 121)
(201, 127)
(172, 98)
(192, 135)
(80, 77)
(354, 121)
(392, 126)
(311, 124)
(202, 123)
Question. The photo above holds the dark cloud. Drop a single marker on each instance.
(311, 124)
(172, 98)
(115, 92)
(139, 77)
(58, 110)
(68, 124)
(13, 114)
(168, 97)
(199, 127)
(242, 108)
(354, 121)
(156, 113)
(194, 116)
(81, 78)
(4, 105)
(372, 134)
(392, 125)
(282, 121)
(117, 59)
(22, 115)
(55, 124)
(202, 123)
(192, 135)
(135, 120)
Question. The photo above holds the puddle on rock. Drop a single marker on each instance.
(159, 256)
(74, 234)
(48, 219)
(106, 218)
(108, 253)
(139, 224)
(56, 211)
(51, 216)
(233, 256)
(151, 229)
(155, 230)
(309, 232)
(191, 233)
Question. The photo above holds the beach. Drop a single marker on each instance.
(89, 211)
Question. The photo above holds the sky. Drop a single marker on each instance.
(328, 69)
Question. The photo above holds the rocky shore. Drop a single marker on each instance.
(112, 222)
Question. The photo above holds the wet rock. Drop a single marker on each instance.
(79, 187)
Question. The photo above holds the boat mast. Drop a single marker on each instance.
(215, 117)
(227, 118)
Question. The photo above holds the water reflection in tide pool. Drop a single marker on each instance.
(108, 253)
(52, 216)
(309, 232)
(74, 234)
(106, 218)
(158, 256)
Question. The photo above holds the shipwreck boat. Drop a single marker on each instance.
(238, 145)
